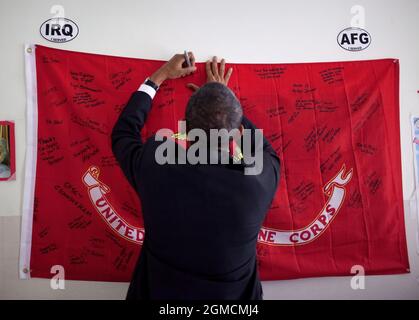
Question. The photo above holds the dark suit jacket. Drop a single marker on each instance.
(201, 221)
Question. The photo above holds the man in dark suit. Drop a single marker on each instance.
(201, 220)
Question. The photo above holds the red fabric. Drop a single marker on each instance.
(319, 117)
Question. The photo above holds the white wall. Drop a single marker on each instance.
(241, 31)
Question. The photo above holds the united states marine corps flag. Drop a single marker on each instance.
(335, 127)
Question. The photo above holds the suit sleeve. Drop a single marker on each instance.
(127, 144)
(268, 151)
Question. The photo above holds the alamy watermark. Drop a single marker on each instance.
(220, 146)
(58, 280)
(358, 18)
(358, 280)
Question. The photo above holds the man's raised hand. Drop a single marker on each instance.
(173, 69)
(215, 73)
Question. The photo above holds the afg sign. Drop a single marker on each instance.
(59, 30)
(354, 39)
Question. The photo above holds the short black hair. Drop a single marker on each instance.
(213, 106)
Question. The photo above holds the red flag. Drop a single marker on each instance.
(334, 125)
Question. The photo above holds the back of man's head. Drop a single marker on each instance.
(213, 106)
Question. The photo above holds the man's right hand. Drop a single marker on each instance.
(215, 73)
(174, 69)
